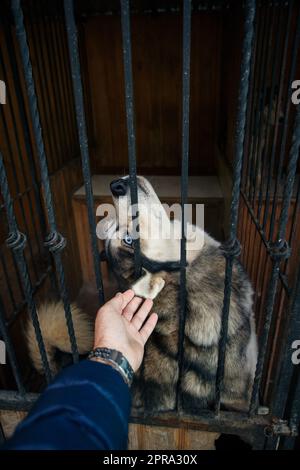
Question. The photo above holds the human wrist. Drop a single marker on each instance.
(115, 359)
(112, 343)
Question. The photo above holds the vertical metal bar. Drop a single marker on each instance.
(2, 435)
(293, 71)
(45, 37)
(294, 420)
(83, 140)
(294, 228)
(286, 366)
(58, 34)
(7, 281)
(17, 241)
(258, 25)
(23, 170)
(186, 73)
(232, 247)
(277, 58)
(263, 123)
(260, 100)
(129, 101)
(10, 350)
(278, 251)
(22, 111)
(26, 130)
(285, 123)
(258, 112)
(27, 139)
(45, 103)
(281, 63)
(55, 241)
(68, 78)
(259, 29)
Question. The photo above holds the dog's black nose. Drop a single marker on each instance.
(118, 187)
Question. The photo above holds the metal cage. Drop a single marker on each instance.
(263, 215)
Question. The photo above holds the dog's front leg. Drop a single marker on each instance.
(148, 286)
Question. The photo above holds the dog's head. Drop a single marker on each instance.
(159, 236)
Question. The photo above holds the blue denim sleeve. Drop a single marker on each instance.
(86, 407)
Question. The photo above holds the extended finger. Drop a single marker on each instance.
(127, 297)
(141, 315)
(148, 327)
(119, 301)
(132, 307)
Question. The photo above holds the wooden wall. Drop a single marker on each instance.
(258, 264)
(157, 65)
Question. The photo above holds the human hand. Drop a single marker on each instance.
(121, 325)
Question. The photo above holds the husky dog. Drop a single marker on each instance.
(155, 385)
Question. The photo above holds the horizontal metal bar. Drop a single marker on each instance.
(206, 420)
(12, 400)
(228, 422)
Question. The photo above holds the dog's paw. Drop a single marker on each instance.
(149, 286)
(157, 285)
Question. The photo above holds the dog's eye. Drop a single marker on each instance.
(128, 240)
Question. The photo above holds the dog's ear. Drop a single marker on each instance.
(148, 286)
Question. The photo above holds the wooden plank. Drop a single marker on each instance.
(157, 61)
(166, 187)
(10, 420)
(164, 438)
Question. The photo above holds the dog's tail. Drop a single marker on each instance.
(55, 333)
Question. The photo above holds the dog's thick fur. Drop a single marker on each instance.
(155, 385)
(205, 290)
(55, 333)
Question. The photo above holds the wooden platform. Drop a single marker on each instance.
(167, 187)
